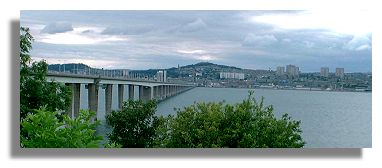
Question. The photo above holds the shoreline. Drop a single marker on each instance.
(305, 89)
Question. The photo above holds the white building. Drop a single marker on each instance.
(280, 71)
(292, 70)
(340, 72)
(161, 76)
(324, 72)
(231, 75)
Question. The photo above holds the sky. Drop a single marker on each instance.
(163, 39)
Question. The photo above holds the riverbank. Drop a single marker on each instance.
(298, 89)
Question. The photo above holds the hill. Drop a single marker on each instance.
(203, 70)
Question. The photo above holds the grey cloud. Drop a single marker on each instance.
(88, 32)
(358, 43)
(259, 40)
(196, 25)
(126, 30)
(286, 40)
(363, 47)
(227, 35)
(57, 27)
(309, 44)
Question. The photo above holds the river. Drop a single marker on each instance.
(328, 119)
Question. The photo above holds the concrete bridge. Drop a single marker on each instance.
(147, 89)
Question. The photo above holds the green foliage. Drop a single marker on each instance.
(112, 145)
(45, 130)
(35, 91)
(25, 46)
(134, 125)
(245, 125)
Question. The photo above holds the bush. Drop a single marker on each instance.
(45, 130)
(244, 125)
(134, 125)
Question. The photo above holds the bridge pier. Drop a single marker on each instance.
(93, 97)
(131, 92)
(74, 107)
(155, 90)
(140, 92)
(108, 98)
(157, 93)
(167, 91)
(161, 92)
(172, 90)
(145, 93)
(121, 89)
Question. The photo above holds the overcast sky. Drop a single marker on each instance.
(163, 39)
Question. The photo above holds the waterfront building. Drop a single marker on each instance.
(125, 73)
(280, 71)
(340, 72)
(161, 76)
(231, 75)
(292, 70)
(324, 72)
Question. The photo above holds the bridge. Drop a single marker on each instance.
(147, 89)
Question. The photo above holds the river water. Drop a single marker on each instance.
(328, 119)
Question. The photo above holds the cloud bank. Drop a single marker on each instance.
(163, 39)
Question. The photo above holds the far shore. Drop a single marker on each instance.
(298, 89)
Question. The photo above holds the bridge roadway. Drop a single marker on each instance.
(147, 89)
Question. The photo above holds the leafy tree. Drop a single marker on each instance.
(35, 91)
(45, 130)
(248, 124)
(134, 125)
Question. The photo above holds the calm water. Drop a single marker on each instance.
(329, 119)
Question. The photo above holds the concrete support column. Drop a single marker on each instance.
(74, 107)
(151, 93)
(162, 96)
(131, 92)
(155, 89)
(121, 89)
(167, 91)
(145, 93)
(108, 98)
(93, 97)
(158, 97)
(141, 92)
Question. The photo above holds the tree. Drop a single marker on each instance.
(248, 124)
(45, 130)
(134, 125)
(35, 91)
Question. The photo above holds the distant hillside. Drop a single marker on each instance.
(204, 70)
(67, 67)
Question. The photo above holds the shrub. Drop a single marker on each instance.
(248, 124)
(134, 125)
(45, 130)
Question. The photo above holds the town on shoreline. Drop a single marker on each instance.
(205, 74)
